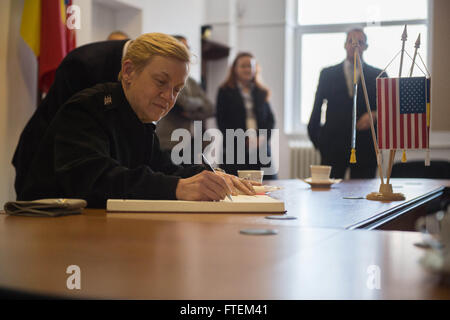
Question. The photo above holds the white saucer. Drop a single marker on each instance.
(327, 182)
(263, 189)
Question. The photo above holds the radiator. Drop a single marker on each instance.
(302, 155)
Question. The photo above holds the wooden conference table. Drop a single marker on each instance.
(178, 256)
(329, 207)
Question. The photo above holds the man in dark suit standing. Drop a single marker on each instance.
(333, 139)
(82, 68)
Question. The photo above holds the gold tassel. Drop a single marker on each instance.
(404, 156)
(353, 156)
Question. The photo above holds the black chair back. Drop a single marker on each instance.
(417, 169)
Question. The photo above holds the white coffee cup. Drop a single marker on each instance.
(320, 172)
(252, 175)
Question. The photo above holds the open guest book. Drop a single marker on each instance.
(240, 204)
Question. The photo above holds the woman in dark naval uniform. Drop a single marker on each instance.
(102, 142)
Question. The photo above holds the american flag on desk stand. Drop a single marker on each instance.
(403, 111)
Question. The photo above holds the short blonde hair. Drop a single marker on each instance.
(148, 45)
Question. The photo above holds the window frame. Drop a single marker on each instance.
(297, 128)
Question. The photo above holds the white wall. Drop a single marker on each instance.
(100, 17)
(104, 18)
(177, 17)
(221, 16)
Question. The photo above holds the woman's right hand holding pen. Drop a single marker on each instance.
(210, 186)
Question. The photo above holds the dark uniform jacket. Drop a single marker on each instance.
(333, 139)
(82, 68)
(231, 114)
(96, 148)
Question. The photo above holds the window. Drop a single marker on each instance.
(320, 36)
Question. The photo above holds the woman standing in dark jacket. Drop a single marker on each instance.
(242, 103)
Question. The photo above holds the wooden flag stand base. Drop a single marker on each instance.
(385, 194)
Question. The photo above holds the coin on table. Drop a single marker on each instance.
(353, 197)
(281, 217)
(259, 232)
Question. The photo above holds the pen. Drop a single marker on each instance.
(210, 168)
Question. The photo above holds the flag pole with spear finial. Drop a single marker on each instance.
(416, 48)
(355, 46)
(369, 111)
(392, 151)
(404, 37)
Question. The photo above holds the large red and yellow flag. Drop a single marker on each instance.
(44, 30)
